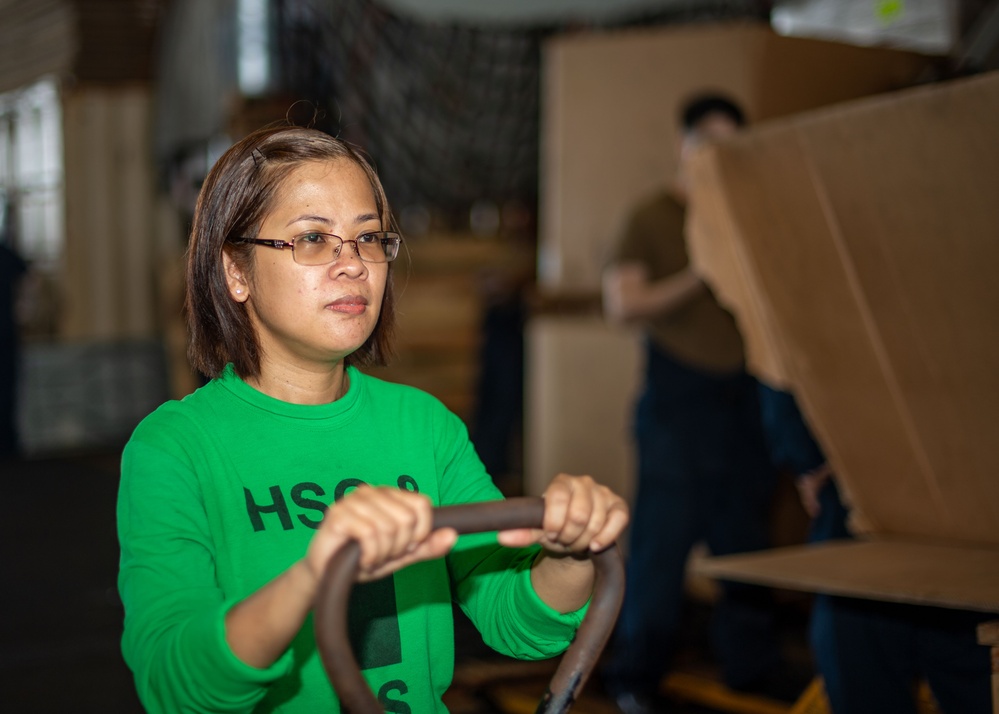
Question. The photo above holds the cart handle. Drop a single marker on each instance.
(578, 661)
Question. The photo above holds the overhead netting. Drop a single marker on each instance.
(449, 113)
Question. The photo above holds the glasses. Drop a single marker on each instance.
(324, 248)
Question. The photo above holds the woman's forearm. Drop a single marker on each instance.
(261, 627)
(393, 528)
(563, 582)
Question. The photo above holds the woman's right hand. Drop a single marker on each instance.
(393, 527)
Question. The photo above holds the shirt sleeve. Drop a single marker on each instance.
(632, 242)
(493, 583)
(174, 637)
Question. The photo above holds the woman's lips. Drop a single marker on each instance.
(349, 305)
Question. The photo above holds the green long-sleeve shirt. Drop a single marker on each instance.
(222, 491)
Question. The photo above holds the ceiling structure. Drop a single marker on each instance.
(534, 13)
(445, 94)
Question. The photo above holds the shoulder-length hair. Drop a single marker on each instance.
(238, 193)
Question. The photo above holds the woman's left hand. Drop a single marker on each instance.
(580, 515)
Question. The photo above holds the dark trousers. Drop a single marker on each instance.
(871, 654)
(703, 474)
(792, 446)
(500, 389)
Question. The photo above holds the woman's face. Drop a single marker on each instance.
(306, 316)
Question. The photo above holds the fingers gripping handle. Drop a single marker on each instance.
(578, 661)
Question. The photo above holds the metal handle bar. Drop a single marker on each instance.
(578, 661)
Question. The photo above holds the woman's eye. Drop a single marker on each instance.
(368, 238)
(312, 239)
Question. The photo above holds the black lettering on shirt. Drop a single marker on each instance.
(373, 624)
(396, 706)
(345, 485)
(278, 505)
(309, 503)
(408, 483)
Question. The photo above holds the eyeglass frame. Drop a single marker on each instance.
(282, 244)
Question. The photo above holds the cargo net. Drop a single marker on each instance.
(448, 113)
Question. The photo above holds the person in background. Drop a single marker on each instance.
(224, 515)
(499, 390)
(13, 269)
(703, 469)
(871, 655)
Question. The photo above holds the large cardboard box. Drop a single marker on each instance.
(858, 247)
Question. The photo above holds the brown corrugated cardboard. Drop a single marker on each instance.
(867, 232)
(895, 571)
(857, 246)
(583, 379)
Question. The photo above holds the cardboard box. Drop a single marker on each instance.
(583, 378)
(857, 246)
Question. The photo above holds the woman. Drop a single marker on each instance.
(222, 515)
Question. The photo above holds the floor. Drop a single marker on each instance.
(59, 637)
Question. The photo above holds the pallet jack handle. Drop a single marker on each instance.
(578, 661)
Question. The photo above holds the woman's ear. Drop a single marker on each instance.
(239, 287)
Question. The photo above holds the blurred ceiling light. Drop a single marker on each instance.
(925, 26)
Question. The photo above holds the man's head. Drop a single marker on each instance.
(710, 107)
(705, 118)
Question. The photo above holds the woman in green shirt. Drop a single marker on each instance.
(223, 514)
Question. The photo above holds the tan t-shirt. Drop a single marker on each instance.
(700, 332)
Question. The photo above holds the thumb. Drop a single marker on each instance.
(519, 537)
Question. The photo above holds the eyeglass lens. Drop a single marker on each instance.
(322, 248)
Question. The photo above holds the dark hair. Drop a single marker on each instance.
(697, 108)
(237, 195)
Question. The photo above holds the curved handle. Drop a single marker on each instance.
(578, 661)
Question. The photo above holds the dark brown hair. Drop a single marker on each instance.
(238, 193)
(695, 109)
